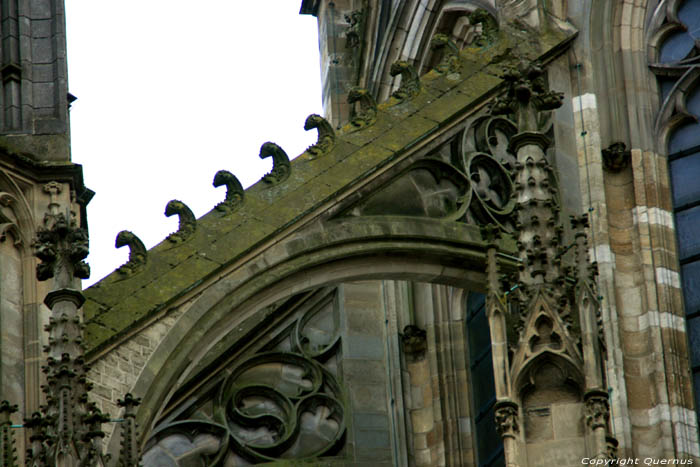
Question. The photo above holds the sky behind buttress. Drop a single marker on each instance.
(171, 91)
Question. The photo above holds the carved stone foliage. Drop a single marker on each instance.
(234, 191)
(63, 242)
(281, 168)
(611, 447)
(137, 252)
(528, 99)
(129, 454)
(326, 135)
(442, 44)
(281, 402)
(410, 82)
(187, 220)
(506, 417)
(467, 179)
(597, 409)
(367, 114)
(487, 25)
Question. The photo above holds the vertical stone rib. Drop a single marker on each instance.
(10, 67)
(414, 346)
(506, 410)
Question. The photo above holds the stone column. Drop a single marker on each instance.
(506, 410)
(414, 345)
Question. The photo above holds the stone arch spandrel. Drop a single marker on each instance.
(423, 250)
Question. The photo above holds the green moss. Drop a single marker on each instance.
(363, 136)
(117, 302)
(407, 133)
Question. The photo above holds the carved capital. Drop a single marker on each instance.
(506, 417)
(597, 409)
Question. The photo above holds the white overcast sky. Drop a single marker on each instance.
(171, 91)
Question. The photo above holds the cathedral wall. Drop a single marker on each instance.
(34, 88)
(115, 373)
(634, 238)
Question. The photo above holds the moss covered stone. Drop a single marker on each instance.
(117, 304)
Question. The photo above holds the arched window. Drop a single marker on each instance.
(489, 445)
(684, 166)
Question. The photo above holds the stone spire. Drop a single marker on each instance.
(129, 454)
(67, 431)
(557, 316)
(8, 452)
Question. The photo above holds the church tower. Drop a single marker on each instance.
(37, 182)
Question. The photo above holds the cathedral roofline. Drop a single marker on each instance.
(378, 138)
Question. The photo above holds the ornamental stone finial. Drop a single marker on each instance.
(138, 254)
(410, 82)
(368, 107)
(187, 220)
(281, 167)
(450, 54)
(527, 95)
(62, 249)
(234, 191)
(326, 135)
